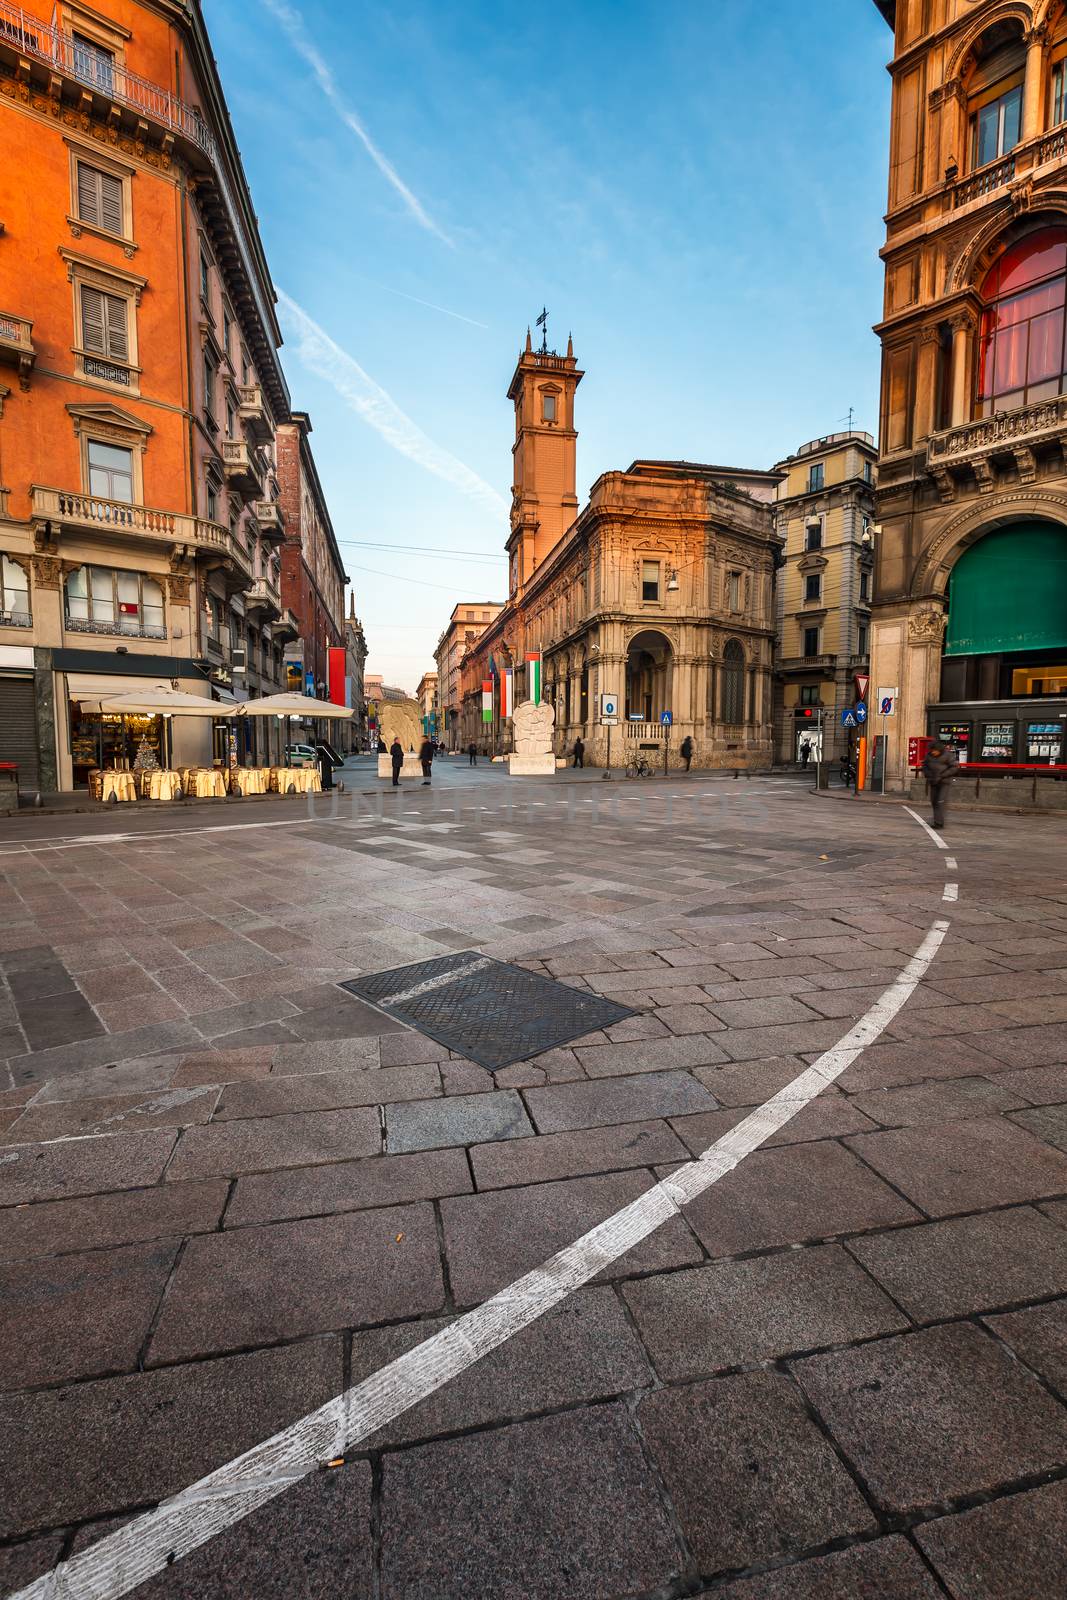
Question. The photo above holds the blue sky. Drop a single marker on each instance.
(694, 188)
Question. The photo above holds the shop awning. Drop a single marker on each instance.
(88, 690)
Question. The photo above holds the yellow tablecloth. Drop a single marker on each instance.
(163, 785)
(205, 783)
(253, 780)
(305, 780)
(121, 785)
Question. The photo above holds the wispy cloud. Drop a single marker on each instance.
(293, 24)
(319, 353)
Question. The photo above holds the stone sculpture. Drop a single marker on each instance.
(531, 727)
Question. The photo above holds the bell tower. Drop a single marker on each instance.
(543, 498)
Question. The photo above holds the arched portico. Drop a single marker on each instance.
(649, 672)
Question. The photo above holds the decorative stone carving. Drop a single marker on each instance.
(178, 588)
(532, 727)
(47, 572)
(926, 626)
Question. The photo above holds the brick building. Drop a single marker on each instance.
(313, 576)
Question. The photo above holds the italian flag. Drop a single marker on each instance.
(533, 675)
(506, 695)
(487, 699)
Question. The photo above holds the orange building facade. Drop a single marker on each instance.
(140, 391)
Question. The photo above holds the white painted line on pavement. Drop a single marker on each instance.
(115, 1565)
(952, 891)
(940, 843)
(950, 863)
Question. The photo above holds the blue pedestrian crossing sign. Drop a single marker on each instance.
(848, 718)
(666, 719)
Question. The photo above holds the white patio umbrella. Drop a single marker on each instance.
(291, 705)
(159, 699)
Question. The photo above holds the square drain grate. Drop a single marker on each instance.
(491, 1012)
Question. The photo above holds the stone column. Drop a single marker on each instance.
(926, 384)
(963, 329)
(1033, 118)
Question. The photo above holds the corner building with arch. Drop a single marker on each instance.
(658, 592)
(970, 615)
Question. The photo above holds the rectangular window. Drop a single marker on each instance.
(809, 694)
(650, 580)
(246, 376)
(811, 641)
(110, 471)
(105, 328)
(1058, 112)
(733, 591)
(99, 198)
(813, 586)
(865, 586)
(211, 499)
(995, 127)
(102, 595)
(868, 472)
(548, 407)
(813, 536)
(209, 386)
(93, 64)
(861, 639)
(816, 476)
(205, 279)
(227, 325)
(231, 420)
(14, 592)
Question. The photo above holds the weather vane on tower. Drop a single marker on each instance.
(542, 323)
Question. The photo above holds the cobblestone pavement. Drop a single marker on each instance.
(230, 1190)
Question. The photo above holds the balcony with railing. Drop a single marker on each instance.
(253, 412)
(806, 663)
(263, 595)
(242, 467)
(645, 732)
(63, 510)
(97, 73)
(15, 618)
(124, 628)
(270, 519)
(16, 345)
(971, 447)
(983, 182)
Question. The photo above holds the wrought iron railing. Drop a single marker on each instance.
(15, 619)
(115, 630)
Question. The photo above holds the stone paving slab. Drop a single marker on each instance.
(738, 1313)
(794, 1194)
(942, 1100)
(968, 1264)
(886, 1569)
(751, 1479)
(82, 1166)
(562, 1108)
(649, 1055)
(455, 1120)
(348, 1186)
(584, 1350)
(254, 1144)
(66, 1119)
(24, 1562)
(1048, 1123)
(257, 1285)
(993, 1163)
(600, 1527)
(492, 1239)
(327, 1091)
(91, 1449)
(828, 1117)
(1039, 1337)
(53, 1227)
(573, 1155)
(1013, 1549)
(929, 1416)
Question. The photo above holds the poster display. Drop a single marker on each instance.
(998, 742)
(957, 734)
(1044, 743)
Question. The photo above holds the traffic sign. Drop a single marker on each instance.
(848, 718)
(887, 705)
(666, 719)
(609, 722)
(861, 682)
(861, 712)
(609, 705)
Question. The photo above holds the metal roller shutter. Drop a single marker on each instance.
(18, 728)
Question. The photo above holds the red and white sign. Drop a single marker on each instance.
(861, 682)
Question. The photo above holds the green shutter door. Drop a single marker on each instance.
(1008, 592)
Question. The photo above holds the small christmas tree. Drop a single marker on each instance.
(145, 759)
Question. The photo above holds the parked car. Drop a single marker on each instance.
(302, 755)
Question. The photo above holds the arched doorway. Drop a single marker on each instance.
(648, 676)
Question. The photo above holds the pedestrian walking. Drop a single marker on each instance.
(805, 752)
(426, 760)
(472, 751)
(325, 766)
(939, 769)
(396, 754)
(579, 753)
(687, 752)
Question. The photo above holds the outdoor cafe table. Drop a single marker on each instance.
(305, 780)
(162, 785)
(118, 786)
(205, 783)
(252, 780)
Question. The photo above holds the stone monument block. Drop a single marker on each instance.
(532, 730)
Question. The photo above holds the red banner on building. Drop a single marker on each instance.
(335, 675)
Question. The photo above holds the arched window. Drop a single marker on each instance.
(733, 683)
(14, 594)
(1021, 352)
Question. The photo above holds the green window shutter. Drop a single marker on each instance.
(1008, 592)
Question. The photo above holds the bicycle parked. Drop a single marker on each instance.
(637, 767)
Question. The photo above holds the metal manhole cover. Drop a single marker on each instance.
(491, 1012)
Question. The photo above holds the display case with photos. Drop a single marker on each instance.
(1043, 743)
(998, 743)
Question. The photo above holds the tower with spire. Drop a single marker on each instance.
(543, 498)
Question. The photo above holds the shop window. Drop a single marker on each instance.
(110, 471)
(995, 122)
(733, 683)
(1022, 356)
(14, 594)
(102, 600)
(816, 476)
(650, 580)
(1041, 679)
(813, 586)
(813, 536)
(811, 642)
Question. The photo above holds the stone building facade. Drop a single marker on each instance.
(313, 577)
(970, 616)
(659, 593)
(825, 519)
(355, 664)
(140, 391)
(467, 621)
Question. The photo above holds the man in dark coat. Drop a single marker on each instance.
(472, 751)
(579, 753)
(939, 769)
(396, 755)
(687, 752)
(426, 760)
